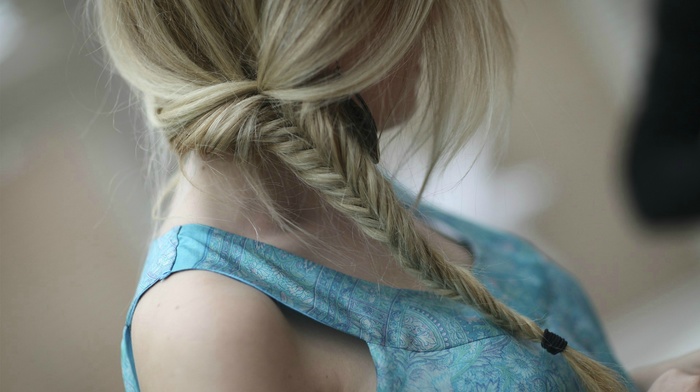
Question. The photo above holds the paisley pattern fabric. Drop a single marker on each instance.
(419, 341)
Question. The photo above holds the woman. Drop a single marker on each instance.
(300, 266)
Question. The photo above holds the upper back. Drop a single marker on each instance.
(416, 339)
(203, 331)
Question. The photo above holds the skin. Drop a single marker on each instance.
(197, 330)
(676, 374)
(228, 333)
(676, 380)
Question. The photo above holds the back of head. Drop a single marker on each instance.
(198, 62)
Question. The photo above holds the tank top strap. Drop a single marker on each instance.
(317, 290)
(158, 266)
(370, 311)
(356, 307)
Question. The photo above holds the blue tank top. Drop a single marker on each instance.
(419, 341)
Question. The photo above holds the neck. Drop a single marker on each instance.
(216, 193)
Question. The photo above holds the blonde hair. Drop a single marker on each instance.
(249, 80)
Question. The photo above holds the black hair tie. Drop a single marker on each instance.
(553, 343)
(363, 127)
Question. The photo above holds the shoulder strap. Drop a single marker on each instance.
(158, 266)
(337, 300)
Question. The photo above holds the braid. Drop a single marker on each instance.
(352, 184)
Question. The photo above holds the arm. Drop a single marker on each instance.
(199, 331)
(666, 375)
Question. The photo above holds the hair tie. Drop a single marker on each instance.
(362, 125)
(364, 128)
(553, 343)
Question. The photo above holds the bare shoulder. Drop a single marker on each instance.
(197, 330)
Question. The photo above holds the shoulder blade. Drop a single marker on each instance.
(198, 330)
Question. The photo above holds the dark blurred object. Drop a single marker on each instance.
(663, 164)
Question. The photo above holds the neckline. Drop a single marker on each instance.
(371, 311)
(432, 223)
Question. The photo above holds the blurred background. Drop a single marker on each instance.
(74, 210)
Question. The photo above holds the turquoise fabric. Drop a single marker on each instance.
(418, 341)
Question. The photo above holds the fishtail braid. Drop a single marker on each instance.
(350, 182)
